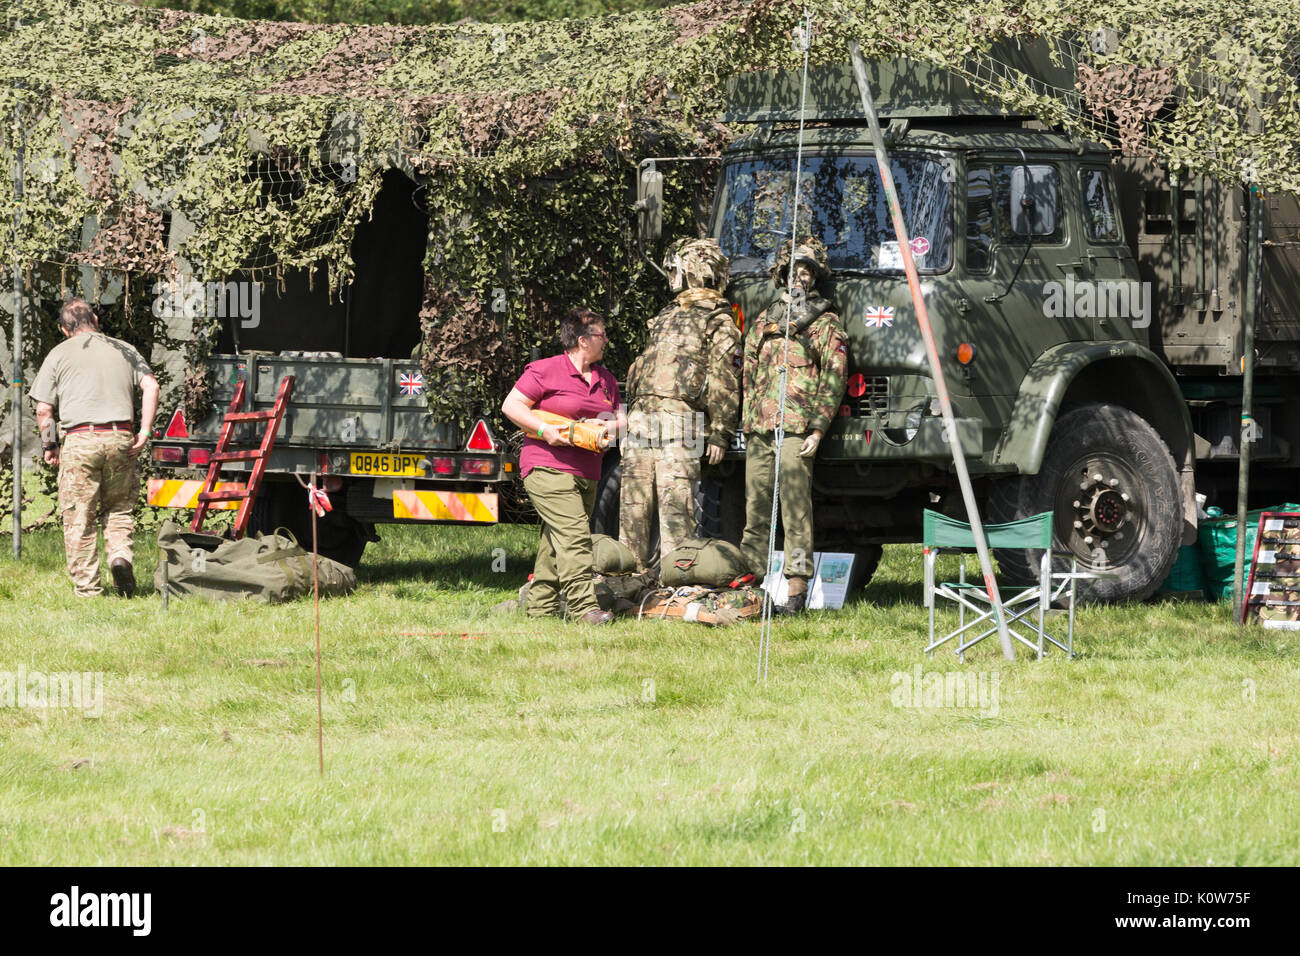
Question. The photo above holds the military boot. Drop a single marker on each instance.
(797, 600)
(123, 576)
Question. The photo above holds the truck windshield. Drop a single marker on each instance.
(841, 197)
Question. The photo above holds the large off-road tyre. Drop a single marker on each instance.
(604, 517)
(513, 501)
(282, 505)
(864, 566)
(1112, 485)
(720, 507)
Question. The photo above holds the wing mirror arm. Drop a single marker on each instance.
(649, 205)
(1027, 203)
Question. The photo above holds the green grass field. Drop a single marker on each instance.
(454, 736)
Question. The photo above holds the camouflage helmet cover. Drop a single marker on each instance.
(810, 250)
(700, 258)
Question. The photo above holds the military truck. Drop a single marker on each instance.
(1089, 310)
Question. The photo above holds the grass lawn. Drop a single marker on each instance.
(456, 736)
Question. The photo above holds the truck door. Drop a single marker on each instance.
(1121, 306)
(1016, 304)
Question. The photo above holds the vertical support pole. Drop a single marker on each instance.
(315, 587)
(1175, 233)
(1202, 302)
(932, 352)
(166, 584)
(1254, 242)
(18, 324)
(1215, 302)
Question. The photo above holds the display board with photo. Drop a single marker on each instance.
(1273, 586)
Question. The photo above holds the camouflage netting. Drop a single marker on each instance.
(160, 142)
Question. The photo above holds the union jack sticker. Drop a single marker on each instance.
(879, 318)
(410, 384)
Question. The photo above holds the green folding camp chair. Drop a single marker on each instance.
(943, 534)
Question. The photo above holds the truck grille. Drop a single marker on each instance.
(874, 398)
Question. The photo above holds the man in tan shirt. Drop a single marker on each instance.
(91, 379)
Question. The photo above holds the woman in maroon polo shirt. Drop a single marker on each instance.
(561, 479)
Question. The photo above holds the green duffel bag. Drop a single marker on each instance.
(269, 568)
(611, 556)
(708, 561)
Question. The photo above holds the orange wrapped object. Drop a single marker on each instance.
(587, 435)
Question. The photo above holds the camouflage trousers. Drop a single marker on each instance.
(795, 504)
(97, 488)
(662, 479)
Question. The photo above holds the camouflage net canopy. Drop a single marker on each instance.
(160, 142)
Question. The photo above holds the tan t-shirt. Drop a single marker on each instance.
(90, 379)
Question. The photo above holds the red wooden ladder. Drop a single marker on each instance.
(246, 495)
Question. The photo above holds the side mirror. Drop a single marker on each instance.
(1033, 200)
(649, 204)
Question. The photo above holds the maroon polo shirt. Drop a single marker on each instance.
(554, 385)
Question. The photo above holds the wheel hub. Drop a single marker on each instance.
(1101, 510)
(1107, 511)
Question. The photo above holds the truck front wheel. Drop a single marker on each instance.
(1112, 485)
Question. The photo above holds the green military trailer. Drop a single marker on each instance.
(357, 415)
(360, 424)
(1089, 311)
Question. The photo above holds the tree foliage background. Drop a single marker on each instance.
(268, 140)
(409, 12)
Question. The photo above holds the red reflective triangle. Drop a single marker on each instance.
(481, 438)
(177, 428)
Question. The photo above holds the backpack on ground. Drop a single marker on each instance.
(611, 556)
(712, 562)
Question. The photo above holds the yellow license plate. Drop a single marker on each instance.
(388, 466)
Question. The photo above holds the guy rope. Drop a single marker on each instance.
(802, 40)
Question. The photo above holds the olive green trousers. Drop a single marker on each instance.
(795, 503)
(564, 558)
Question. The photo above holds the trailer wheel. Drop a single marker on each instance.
(339, 536)
(1113, 487)
(604, 517)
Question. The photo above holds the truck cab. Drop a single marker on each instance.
(1040, 314)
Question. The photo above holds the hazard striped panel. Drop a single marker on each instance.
(174, 493)
(445, 506)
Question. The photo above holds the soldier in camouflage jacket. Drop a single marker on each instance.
(683, 396)
(816, 361)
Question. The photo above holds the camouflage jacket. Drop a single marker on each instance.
(691, 363)
(818, 360)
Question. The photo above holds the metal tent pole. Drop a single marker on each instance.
(931, 350)
(18, 321)
(1254, 241)
(804, 41)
